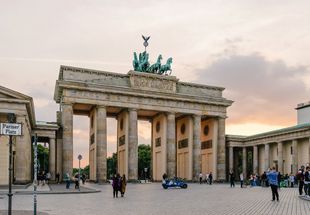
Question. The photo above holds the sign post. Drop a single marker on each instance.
(80, 158)
(35, 180)
(10, 129)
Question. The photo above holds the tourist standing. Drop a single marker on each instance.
(241, 180)
(307, 181)
(210, 178)
(300, 178)
(57, 177)
(67, 180)
(48, 177)
(273, 182)
(200, 178)
(292, 180)
(123, 185)
(232, 178)
(207, 178)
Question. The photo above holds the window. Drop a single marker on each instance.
(291, 150)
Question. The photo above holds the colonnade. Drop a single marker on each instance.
(286, 161)
(98, 144)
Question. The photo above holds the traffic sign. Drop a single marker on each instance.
(14, 129)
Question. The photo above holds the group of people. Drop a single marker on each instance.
(119, 185)
(207, 178)
(43, 178)
(76, 180)
(303, 178)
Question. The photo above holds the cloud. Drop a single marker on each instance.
(264, 91)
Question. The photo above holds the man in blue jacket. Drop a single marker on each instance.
(272, 177)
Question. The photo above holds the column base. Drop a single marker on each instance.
(134, 181)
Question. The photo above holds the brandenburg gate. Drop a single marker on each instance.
(188, 122)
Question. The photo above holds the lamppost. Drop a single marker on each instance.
(10, 129)
(80, 158)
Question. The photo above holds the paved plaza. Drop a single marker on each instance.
(152, 199)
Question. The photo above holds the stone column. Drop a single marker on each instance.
(171, 146)
(101, 144)
(231, 158)
(280, 157)
(196, 146)
(59, 158)
(221, 157)
(133, 145)
(23, 152)
(244, 162)
(295, 156)
(52, 158)
(267, 162)
(255, 159)
(309, 152)
(67, 146)
(214, 146)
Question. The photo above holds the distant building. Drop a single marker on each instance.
(303, 113)
(22, 106)
(286, 149)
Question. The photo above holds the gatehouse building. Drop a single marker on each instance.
(187, 129)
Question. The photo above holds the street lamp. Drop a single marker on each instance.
(80, 158)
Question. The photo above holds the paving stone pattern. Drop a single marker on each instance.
(152, 199)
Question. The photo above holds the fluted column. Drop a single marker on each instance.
(221, 148)
(67, 146)
(255, 159)
(280, 157)
(171, 145)
(196, 146)
(133, 145)
(244, 162)
(52, 158)
(101, 144)
(231, 158)
(267, 162)
(295, 157)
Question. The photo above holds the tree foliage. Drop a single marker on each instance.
(111, 165)
(144, 160)
(43, 153)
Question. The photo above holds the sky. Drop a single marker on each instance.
(258, 50)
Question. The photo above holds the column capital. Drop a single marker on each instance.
(101, 106)
(132, 109)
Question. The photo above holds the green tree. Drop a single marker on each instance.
(144, 160)
(84, 170)
(43, 153)
(111, 165)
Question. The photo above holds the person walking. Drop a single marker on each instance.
(200, 178)
(232, 178)
(241, 180)
(115, 186)
(210, 178)
(123, 185)
(272, 177)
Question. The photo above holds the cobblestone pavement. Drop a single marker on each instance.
(152, 199)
